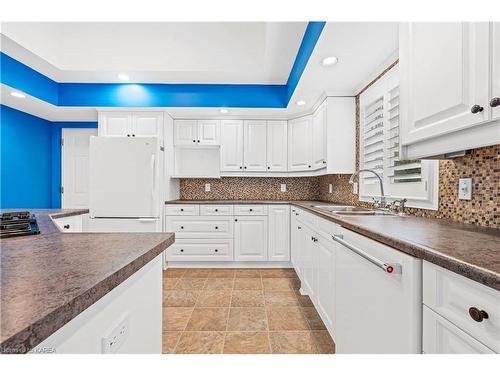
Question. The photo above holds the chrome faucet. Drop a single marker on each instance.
(382, 202)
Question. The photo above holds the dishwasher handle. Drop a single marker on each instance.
(387, 267)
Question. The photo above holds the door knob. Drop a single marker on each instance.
(478, 315)
(495, 102)
(476, 108)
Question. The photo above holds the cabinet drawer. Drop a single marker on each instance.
(451, 296)
(182, 209)
(442, 337)
(250, 209)
(326, 227)
(216, 209)
(200, 226)
(69, 223)
(200, 250)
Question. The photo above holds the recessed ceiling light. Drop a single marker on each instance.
(123, 77)
(18, 94)
(224, 111)
(301, 102)
(330, 60)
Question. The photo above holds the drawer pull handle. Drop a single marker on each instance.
(251, 209)
(216, 250)
(182, 250)
(66, 226)
(478, 315)
(476, 108)
(235, 219)
(216, 227)
(182, 227)
(182, 209)
(216, 210)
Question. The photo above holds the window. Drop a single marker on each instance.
(415, 180)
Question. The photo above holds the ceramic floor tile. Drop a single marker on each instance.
(246, 272)
(313, 318)
(247, 319)
(323, 342)
(304, 300)
(174, 272)
(214, 298)
(208, 319)
(278, 272)
(292, 342)
(170, 282)
(248, 283)
(180, 298)
(221, 272)
(247, 298)
(219, 284)
(190, 283)
(280, 298)
(176, 318)
(169, 341)
(246, 343)
(277, 284)
(196, 272)
(200, 343)
(286, 319)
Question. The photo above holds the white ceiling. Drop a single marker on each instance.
(183, 52)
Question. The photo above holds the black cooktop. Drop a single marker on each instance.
(18, 223)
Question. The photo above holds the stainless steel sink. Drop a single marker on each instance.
(365, 213)
(339, 208)
(352, 210)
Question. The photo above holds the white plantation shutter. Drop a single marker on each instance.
(379, 150)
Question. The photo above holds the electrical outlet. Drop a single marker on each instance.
(465, 189)
(355, 188)
(283, 188)
(207, 188)
(116, 336)
(330, 188)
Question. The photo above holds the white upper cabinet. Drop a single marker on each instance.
(147, 124)
(319, 137)
(231, 145)
(131, 124)
(299, 144)
(445, 87)
(196, 132)
(115, 124)
(208, 132)
(277, 146)
(495, 71)
(254, 149)
(185, 132)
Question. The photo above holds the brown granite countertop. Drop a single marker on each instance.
(468, 250)
(50, 278)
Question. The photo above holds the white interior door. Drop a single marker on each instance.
(255, 145)
(231, 145)
(75, 167)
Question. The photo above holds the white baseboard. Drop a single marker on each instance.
(226, 265)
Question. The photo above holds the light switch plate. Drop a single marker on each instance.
(207, 188)
(330, 188)
(114, 338)
(465, 189)
(283, 188)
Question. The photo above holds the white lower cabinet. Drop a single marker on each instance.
(442, 337)
(279, 233)
(324, 280)
(70, 223)
(201, 250)
(124, 225)
(250, 238)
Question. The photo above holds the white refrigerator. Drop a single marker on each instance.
(124, 184)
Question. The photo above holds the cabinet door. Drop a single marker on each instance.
(115, 124)
(250, 238)
(319, 138)
(254, 149)
(324, 285)
(307, 260)
(299, 144)
(277, 146)
(279, 233)
(444, 73)
(231, 145)
(495, 68)
(295, 237)
(147, 124)
(208, 132)
(185, 132)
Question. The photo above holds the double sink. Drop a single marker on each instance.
(351, 210)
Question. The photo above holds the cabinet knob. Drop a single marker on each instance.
(216, 250)
(251, 209)
(478, 315)
(268, 167)
(216, 227)
(299, 227)
(194, 140)
(182, 227)
(235, 219)
(495, 102)
(216, 210)
(309, 166)
(182, 250)
(241, 167)
(182, 209)
(133, 135)
(198, 141)
(244, 167)
(476, 108)
(128, 135)
(66, 226)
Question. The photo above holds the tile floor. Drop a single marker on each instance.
(239, 311)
